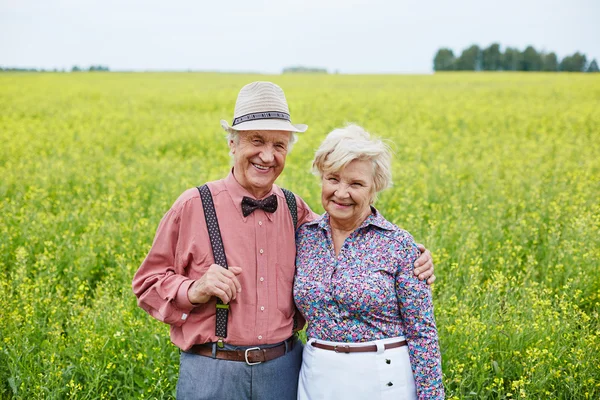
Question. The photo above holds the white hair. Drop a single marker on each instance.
(344, 145)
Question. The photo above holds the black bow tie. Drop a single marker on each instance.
(249, 204)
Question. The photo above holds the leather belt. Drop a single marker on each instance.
(345, 348)
(252, 355)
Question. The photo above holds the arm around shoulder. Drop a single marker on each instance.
(305, 214)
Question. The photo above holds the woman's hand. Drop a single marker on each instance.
(424, 265)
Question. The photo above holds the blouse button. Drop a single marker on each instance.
(390, 384)
(388, 361)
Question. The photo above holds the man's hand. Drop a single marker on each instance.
(217, 281)
(424, 265)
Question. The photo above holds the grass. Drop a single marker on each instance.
(498, 174)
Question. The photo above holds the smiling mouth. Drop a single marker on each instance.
(341, 204)
(261, 167)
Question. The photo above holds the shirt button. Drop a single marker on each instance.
(261, 251)
(260, 223)
(262, 309)
(262, 279)
(259, 337)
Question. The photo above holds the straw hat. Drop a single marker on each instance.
(261, 106)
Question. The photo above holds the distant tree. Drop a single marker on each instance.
(75, 68)
(304, 70)
(511, 60)
(531, 60)
(549, 62)
(17, 69)
(98, 68)
(575, 63)
(470, 59)
(491, 58)
(444, 60)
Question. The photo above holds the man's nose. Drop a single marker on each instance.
(267, 154)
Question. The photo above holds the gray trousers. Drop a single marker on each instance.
(203, 377)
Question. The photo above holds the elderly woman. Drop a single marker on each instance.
(371, 331)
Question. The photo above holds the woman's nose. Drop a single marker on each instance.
(341, 191)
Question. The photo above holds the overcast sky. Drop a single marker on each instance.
(351, 36)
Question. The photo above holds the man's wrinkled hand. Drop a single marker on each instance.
(218, 282)
(424, 265)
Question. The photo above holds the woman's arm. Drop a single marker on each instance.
(416, 311)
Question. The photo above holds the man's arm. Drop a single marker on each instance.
(159, 283)
(424, 265)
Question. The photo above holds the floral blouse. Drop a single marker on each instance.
(368, 292)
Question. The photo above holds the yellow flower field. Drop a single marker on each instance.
(497, 174)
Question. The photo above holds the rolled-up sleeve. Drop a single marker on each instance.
(160, 283)
(416, 309)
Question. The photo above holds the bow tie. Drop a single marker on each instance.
(249, 204)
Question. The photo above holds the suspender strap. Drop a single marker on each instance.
(216, 242)
(290, 199)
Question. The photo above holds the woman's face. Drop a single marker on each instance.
(346, 195)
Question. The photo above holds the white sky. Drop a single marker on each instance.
(352, 36)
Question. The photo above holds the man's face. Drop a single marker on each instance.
(259, 158)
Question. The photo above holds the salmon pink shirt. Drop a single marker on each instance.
(262, 244)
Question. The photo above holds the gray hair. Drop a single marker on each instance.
(344, 145)
(233, 135)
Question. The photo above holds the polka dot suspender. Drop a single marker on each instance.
(290, 199)
(216, 242)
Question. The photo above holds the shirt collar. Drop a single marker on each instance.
(237, 193)
(375, 219)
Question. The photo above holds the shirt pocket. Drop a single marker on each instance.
(285, 282)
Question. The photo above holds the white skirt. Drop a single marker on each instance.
(385, 374)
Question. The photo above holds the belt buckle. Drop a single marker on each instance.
(338, 349)
(246, 356)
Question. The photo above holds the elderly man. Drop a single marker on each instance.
(221, 268)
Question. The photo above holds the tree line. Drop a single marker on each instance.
(492, 58)
(75, 68)
(304, 70)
